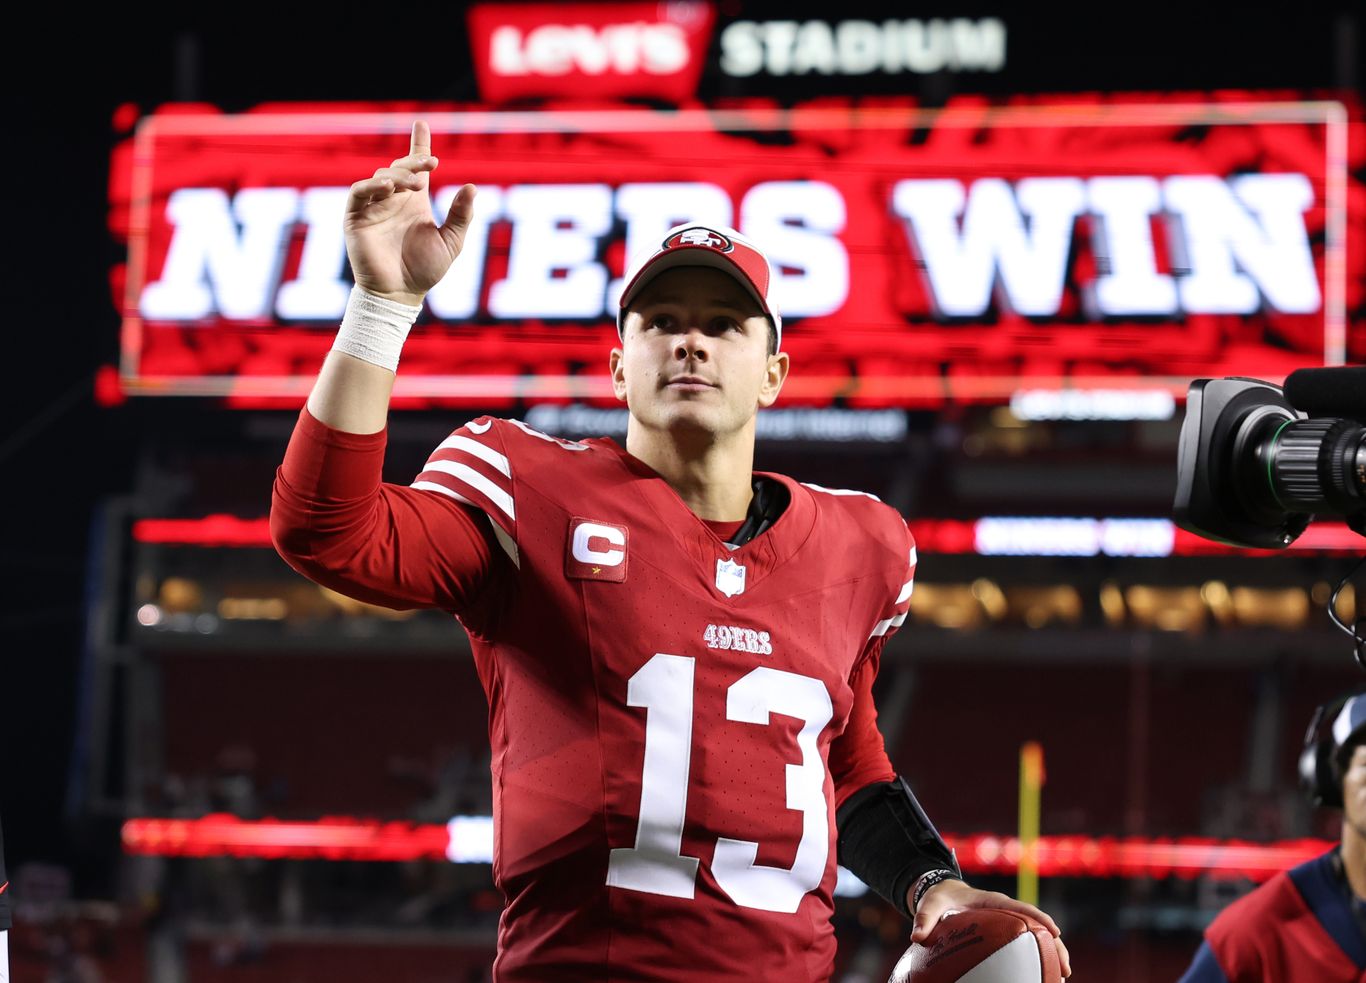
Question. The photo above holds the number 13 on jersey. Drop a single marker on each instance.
(656, 864)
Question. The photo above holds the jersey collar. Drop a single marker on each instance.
(761, 555)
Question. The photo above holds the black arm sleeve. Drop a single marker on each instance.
(888, 841)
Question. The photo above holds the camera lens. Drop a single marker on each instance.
(1316, 465)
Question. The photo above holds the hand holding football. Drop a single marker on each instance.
(982, 945)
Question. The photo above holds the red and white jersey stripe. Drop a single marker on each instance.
(470, 466)
(896, 613)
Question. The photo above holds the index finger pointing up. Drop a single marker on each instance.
(422, 138)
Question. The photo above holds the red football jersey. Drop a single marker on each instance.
(673, 722)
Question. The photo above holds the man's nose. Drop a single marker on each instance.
(692, 345)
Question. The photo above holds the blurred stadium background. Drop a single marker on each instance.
(1151, 197)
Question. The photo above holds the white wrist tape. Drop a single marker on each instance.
(374, 328)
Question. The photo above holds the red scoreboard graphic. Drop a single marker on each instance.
(965, 254)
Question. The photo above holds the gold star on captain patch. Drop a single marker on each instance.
(597, 569)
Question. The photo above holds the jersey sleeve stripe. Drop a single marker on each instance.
(476, 482)
(475, 449)
(906, 590)
(841, 491)
(882, 627)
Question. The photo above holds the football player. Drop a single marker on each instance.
(678, 652)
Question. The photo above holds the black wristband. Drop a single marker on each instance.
(927, 881)
(888, 841)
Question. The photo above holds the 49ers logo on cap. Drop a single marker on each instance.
(701, 245)
(699, 237)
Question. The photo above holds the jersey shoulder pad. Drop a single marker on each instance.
(478, 463)
(872, 517)
(889, 541)
(528, 440)
(473, 467)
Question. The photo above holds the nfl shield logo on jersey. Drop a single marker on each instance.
(730, 577)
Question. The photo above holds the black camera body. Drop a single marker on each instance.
(1253, 468)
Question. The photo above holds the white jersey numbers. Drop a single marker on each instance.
(664, 686)
(751, 700)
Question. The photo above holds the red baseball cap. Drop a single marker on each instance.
(713, 246)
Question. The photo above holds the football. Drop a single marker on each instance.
(982, 945)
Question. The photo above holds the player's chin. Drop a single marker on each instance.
(692, 418)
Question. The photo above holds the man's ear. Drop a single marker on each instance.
(616, 367)
(775, 374)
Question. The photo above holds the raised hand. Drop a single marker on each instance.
(396, 249)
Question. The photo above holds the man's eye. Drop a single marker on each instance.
(726, 324)
(662, 321)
